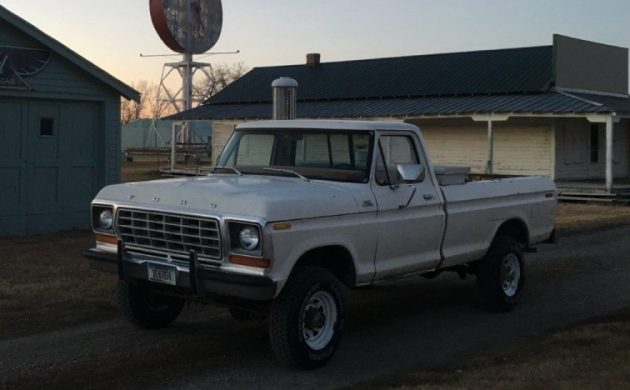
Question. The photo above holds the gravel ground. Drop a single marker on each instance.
(392, 329)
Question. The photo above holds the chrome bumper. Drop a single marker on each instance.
(194, 280)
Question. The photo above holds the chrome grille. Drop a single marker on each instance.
(169, 234)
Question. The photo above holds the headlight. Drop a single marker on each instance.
(249, 238)
(105, 220)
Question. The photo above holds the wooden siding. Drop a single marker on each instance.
(63, 85)
(521, 146)
(573, 150)
(221, 133)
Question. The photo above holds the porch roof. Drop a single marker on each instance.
(549, 103)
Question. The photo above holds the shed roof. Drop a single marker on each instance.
(59, 48)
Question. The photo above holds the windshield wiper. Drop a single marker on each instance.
(287, 171)
(229, 169)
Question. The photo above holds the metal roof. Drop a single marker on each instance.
(618, 104)
(508, 81)
(506, 71)
(541, 103)
(68, 54)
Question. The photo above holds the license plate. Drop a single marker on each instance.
(162, 274)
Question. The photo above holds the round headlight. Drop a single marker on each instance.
(106, 220)
(250, 238)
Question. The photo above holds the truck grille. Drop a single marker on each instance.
(164, 234)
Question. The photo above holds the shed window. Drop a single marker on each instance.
(594, 143)
(46, 127)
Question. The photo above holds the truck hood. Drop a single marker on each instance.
(266, 197)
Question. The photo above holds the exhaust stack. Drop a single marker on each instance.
(284, 98)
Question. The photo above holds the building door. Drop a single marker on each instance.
(62, 164)
(48, 165)
(12, 166)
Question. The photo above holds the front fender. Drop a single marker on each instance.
(357, 233)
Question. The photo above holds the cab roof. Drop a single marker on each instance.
(320, 124)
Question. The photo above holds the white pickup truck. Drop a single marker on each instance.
(297, 209)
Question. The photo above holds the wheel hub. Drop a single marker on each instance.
(510, 274)
(315, 319)
(319, 320)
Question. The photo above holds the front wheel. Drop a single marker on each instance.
(147, 309)
(501, 275)
(306, 321)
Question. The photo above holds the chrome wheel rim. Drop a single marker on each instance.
(318, 320)
(510, 274)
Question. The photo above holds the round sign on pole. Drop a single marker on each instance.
(187, 26)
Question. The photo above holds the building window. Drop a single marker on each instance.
(46, 127)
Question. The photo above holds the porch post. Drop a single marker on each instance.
(489, 166)
(609, 153)
(490, 119)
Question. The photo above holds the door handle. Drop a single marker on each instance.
(427, 196)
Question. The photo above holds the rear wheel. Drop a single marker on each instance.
(306, 321)
(501, 274)
(147, 309)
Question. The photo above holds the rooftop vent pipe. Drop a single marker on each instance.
(284, 98)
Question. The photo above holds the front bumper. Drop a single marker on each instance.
(196, 281)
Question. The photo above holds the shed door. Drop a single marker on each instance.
(62, 165)
(12, 163)
(48, 165)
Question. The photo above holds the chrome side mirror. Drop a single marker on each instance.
(410, 173)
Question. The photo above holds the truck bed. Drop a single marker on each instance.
(476, 209)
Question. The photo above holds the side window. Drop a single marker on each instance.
(394, 150)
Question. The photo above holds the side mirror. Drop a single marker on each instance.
(410, 173)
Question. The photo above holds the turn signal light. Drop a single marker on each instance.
(250, 261)
(107, 239)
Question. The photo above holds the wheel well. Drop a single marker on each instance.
(334, 258)
(516, 229)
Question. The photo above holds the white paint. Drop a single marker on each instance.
(326, 213)
(609, 153)
(489, 169)
(524, 149)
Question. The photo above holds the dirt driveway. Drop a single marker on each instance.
(405, 326)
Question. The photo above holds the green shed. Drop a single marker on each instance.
(59, 131)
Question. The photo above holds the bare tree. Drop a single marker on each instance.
(158, 105)
(153, 103)
(131, 110)
(220, 76)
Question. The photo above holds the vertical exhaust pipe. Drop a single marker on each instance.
(284, 98)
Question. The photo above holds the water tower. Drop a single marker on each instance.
(188, 27)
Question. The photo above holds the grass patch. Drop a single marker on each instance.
(46, 284)
(595, 356)
(142, 170)
(575, 218)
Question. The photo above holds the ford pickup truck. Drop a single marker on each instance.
(296, 210)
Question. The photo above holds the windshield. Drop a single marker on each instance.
(313, 154)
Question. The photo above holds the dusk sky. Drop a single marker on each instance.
(113, 33)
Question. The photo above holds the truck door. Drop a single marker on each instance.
(410, 215)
